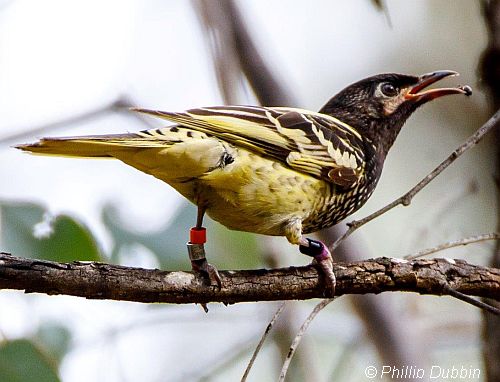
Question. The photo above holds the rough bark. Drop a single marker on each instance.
(114, 282)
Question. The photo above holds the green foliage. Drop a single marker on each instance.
(168, 243)
(59, 238)
(225, 248)
(21, 361)
(27, 230)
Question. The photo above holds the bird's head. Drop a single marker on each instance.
(378, 106)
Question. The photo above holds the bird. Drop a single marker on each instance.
(279, 171)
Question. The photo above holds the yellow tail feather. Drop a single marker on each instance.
(100, 146)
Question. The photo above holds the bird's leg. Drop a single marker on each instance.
(317, 250)
(322, 256)
(196, 250)
(199, 217)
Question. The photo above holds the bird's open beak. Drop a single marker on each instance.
(418, 94)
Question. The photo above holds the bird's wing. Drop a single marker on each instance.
(309, 142)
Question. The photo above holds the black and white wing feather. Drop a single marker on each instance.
(309, 142)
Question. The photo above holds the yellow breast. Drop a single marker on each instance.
(256, 194)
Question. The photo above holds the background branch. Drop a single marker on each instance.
(116, 105)
(261, 341)
(300, 334)
(121, 104)
(452, 244)
(489, 72)
(106, 281)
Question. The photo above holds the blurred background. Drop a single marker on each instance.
(71, 68)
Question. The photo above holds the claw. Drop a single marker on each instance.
(204, 266)
(200, 264)
(323, 258)
(326, 266)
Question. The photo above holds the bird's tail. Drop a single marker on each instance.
(169, 154)
(97, 146)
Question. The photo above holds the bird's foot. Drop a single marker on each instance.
(202, 265)
(323, 258)
(199, 263)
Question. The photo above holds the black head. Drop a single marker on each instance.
(378, 106)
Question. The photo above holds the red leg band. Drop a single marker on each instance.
(198, 235)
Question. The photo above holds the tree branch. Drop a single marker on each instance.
(106, 281)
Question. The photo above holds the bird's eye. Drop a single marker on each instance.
(388, 89)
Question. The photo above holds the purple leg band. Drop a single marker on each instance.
(316, 249)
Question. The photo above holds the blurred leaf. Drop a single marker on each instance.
(225, 248)
(54, 339)
(60, 238)
(232, 249)
(169, 243)
(16, 223)
(21, 361)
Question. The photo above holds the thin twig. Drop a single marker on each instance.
(470, 300)
(300, 334)
(262, 339)
(119, 104)
(452, 244)
(122, 104)
(406, 199)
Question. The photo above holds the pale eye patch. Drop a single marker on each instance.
(386, 90)
(391, 104)
(391, 96)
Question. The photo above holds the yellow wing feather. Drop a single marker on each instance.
(307, 141)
